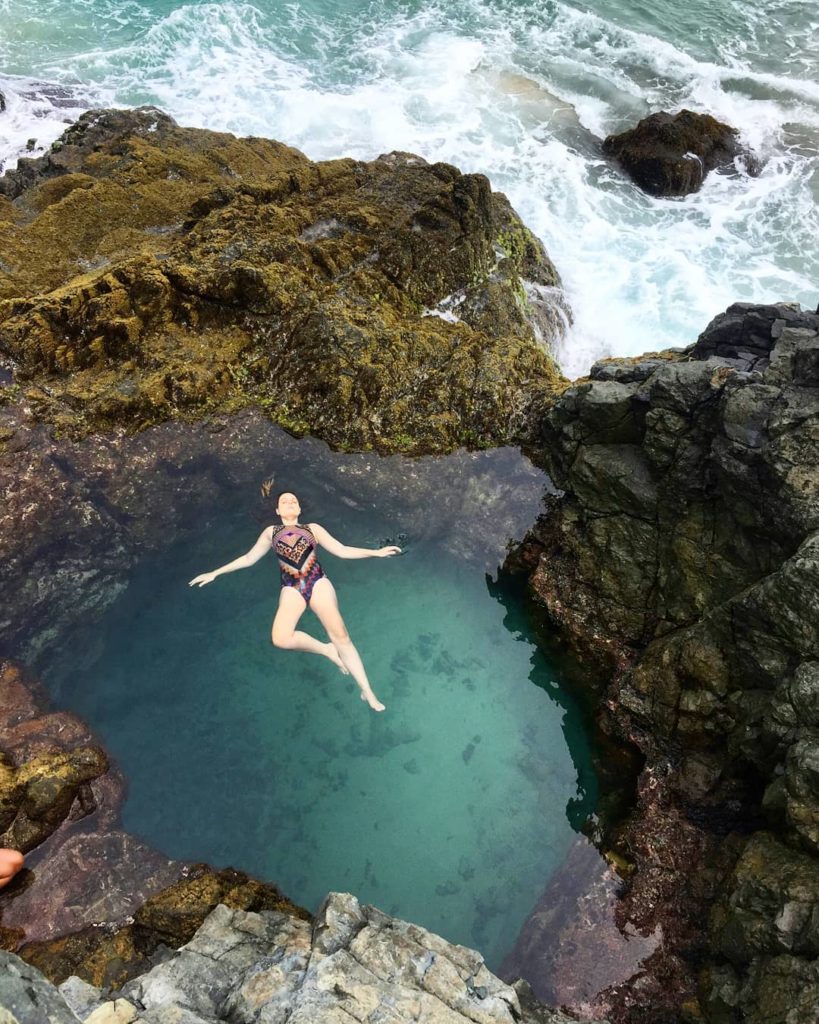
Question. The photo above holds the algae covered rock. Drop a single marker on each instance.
(48, 763)
(152, 271)
(167, 919)
(670, 154)
(44, 790)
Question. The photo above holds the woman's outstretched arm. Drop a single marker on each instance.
(259, 550)
(335, 547)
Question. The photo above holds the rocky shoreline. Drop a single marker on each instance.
(164, 294)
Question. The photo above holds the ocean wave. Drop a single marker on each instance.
(521, 92)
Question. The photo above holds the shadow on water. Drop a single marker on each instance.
(612, 772)
(546, 674)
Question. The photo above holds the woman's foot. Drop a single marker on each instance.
(373, 701)
(335, 657)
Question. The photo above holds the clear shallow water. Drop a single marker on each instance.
(452, 809)
(518, 90)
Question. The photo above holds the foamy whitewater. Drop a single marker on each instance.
(521, 91)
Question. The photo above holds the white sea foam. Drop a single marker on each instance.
(522, 94)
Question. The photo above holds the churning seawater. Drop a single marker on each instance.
(452, 809)
(518, 89)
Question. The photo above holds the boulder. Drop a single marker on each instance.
(670, 154)
(44, 790)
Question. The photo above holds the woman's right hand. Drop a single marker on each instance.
(206, 577)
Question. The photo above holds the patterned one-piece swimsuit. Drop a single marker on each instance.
(295, 548)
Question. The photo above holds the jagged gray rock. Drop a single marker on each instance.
(26, 997)
(353, 962)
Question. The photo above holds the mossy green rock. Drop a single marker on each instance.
(36, 797)
(151, 271)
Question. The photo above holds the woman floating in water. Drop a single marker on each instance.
(303, 583)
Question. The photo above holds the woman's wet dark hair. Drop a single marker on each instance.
(270, 500)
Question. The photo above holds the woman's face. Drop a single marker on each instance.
(288, 506)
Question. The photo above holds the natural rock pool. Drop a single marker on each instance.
(454, 807)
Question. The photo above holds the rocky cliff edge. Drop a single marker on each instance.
(682, 562)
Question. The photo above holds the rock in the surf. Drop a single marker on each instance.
(670, 154)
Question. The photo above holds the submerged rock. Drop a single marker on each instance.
(49, 769)
(79, 516)
(151, 271)
(683, 562)
(670, 154)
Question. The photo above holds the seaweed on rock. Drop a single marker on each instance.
(151, 272)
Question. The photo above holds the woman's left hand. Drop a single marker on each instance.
(390, 549)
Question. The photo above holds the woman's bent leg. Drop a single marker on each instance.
(323, 602)
(285, 635)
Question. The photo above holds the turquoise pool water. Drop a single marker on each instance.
(451, 809)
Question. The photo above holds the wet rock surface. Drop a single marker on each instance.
(681, 563)
(575, 944)
(670, 154)
(153, 272)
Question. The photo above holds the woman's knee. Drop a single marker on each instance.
(339, 636)
(280, 638)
